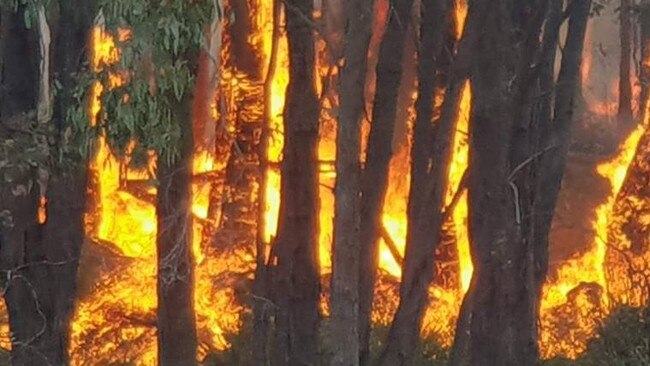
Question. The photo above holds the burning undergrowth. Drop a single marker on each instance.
(115, 318)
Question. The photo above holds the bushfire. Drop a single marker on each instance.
(115, 316)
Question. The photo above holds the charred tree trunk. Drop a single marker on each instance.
(374, 180)
(40, 255)
(244, 55)
(345, 264)
(296, 273)
(625, 85)
(431, 155)
(236, 229)
(262, 306)
(177, 343)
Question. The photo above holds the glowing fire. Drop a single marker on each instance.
(121, 305)
(115, 317)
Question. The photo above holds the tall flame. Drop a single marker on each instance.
(115, 317)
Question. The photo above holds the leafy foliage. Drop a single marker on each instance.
(159, 61)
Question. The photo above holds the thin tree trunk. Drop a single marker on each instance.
(262, 305)
(553, 164)
(296, 276)
(379, 152)
(432, 145)
(237, 226)
(334, 16)
(345, 264)
(207, 83)
(547, 72)
(625, 85)
(644, 25)
(177, 343)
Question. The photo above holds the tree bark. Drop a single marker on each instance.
(177, 343)
(243, 53)
(262, 286)
(207, 83)
(334, 24)
(239, 208)
(345, 264)
(511, 204)
(40, 256)
(296, 272)
(644, 25)
(492, 297)
(374, 180)
(430, 157)
(553, 164)
(625, 85)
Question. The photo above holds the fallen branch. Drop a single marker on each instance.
(392, 247)
(449, 210)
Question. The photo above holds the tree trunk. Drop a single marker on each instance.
(553, 164)
(644, 25)
(207, 83)
(334, 24)
(374, 180)
(624, 84)
(345, 264)
(239, 207)
(296, 276)
(430, 159)
(493, 298)
(509, 241)
(243, 53)
(547, 67)
(262, 305)
(177, 344)
(41, 255)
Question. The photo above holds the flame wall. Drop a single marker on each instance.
(115, 318)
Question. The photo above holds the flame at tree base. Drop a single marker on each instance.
(115, 319)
